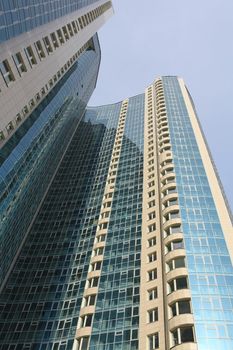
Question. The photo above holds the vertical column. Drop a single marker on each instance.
(84, 327)
(152, 318)
(179, 316)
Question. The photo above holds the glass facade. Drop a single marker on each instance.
(209, 264)
(51, 270)
(116, 319)
(29, 158)
(17, 17)
(41, 301)
(122, 206)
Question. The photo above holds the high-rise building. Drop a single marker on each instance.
(49, 62)
(131, 247)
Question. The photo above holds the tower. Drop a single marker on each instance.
(49, 62)
(131, 247)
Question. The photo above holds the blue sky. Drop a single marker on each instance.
(191, 39)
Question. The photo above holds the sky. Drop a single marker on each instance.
(191, 39)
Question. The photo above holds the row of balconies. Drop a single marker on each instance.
(84, 327)
(151, 258)
(179, 311)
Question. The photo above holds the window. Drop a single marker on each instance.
(153, 341)
(9, 127)
(151, 228)
(25, 110)
(152, 257)
(70, 29)
(48, 45)
(80, 23)
(111, 181)
(181, 283)
(83, 343)
(91, 16)
(173, 229)
(54, 40)
(178, 244)
(99, 251)
(37, 97)
(153, 294)
(176, 263)
(86, 321)
(93, 282)
(186, 334)
(119, 334)
(6, 72)
(178, 283)
(152, 242)
(173, 215)
(182, 335)
(176, 229)
(107, 204)
(105, 215)
(18, 118)
(90, 300)
(60, 36)
(96, 266)
(172, 202)
(108, 195)
(181, 307)
(103, 226)
(40, 49)
(152, 275)
(74, 26)
(168, 180)
(151, 193)
(65, 32)
(20, 65)
(32, 103)
(151, 215)
(153, 315)
(84, 19)
(30, 56)
(77, 24)
(2, 136)
(151, 203)
(171, 190)
(179, 262)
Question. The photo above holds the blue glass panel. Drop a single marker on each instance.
(116, 320)
(30, 157)
(20, 16)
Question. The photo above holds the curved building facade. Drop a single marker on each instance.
(131, 247)
(47, 77)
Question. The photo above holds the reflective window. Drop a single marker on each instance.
(153, 341)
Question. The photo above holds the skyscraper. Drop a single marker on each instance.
(49, 62)
(115, 231)
(131, 247)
